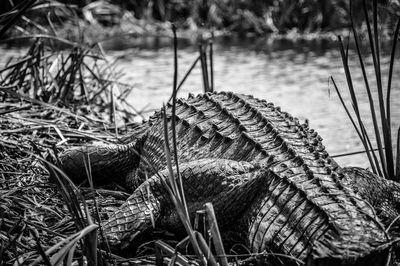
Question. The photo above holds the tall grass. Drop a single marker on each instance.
(38, 225)
(387, 162)
(174, 185)
(50, 97)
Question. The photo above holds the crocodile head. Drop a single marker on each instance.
(381, 193)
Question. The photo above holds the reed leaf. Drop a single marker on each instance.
(363, 134)
(203, 68)
(352, 122)
(70, 245)
(175, 148)
(370, 100)
(216, 236)
(385, 127)
(211, 66)
(349, 153)
(173, 191)
(389, 88)
(91, 248)
(391, 64)
(398, 155)
(186, 76)
(205, 73)
(168, 155)
(82, 221)
(65, 247)
(69, 192)
(387, 163)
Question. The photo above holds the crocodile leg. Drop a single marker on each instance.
(227, 184)
(139, 212)
(109, 163)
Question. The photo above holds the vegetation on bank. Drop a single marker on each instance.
(49, 100)
(94, 21)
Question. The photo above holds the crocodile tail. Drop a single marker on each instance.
(105, 163)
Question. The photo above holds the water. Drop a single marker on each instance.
(294, 76)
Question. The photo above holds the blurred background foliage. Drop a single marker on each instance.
(256, 17)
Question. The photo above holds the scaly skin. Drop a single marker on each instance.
(382, 194)
(260, 168)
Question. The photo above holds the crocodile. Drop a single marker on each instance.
(268, 176)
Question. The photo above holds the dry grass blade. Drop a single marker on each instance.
(186, 76)
(92, 239)
(204, 54)
(206, 250)
(204, 73)
(20, 9)
(167, 151)
(42, 253)
(173, 118)
(216, 236)
(349, 153)
(211, 66)
(82, 220)
(43, 36)
(162, 247)
(113, 112)
(70, 193)
(67, 247)
(54, 248)
(200, 220)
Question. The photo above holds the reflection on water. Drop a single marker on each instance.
(292, 75)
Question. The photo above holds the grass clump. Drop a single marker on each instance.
(385, 157)
(49, 99)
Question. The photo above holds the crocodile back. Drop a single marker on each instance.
(306, 209)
